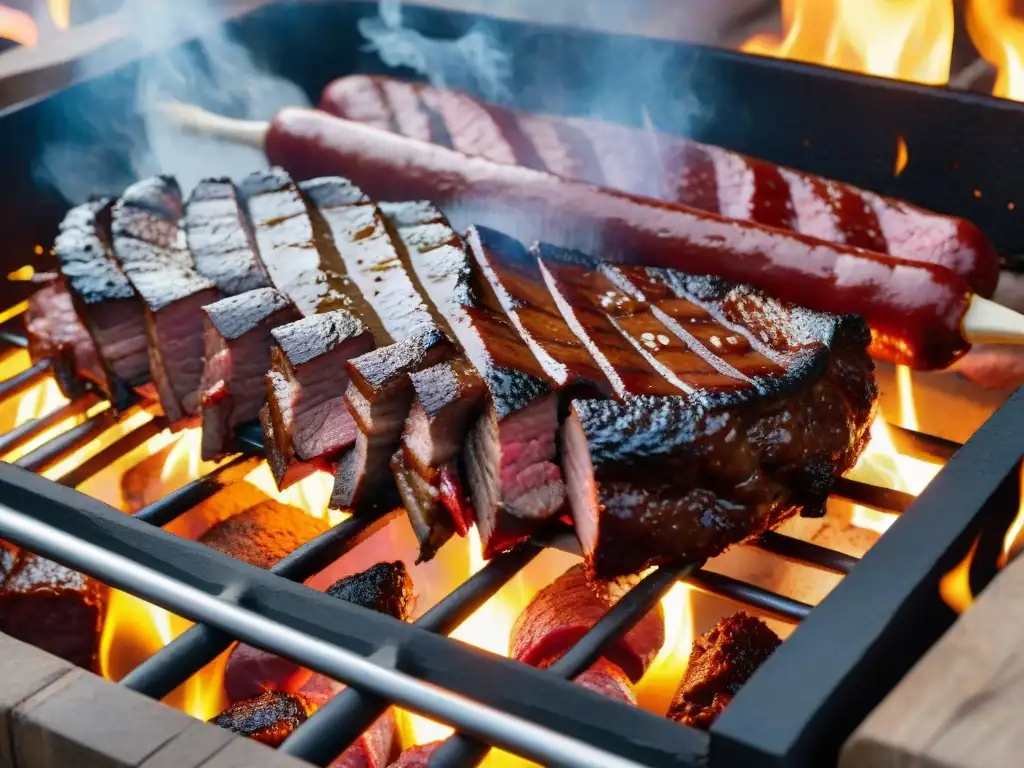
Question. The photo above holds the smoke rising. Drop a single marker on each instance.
(217, 73)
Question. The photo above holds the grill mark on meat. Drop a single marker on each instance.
(104, 298)
(360, 98)
(514, 276)
(721, 662)
(563, 148)
(374, 265)
(751, 190)
(409, 115)
(150, 246)
(475, 128)
(295, 246)
(697, 183)
(220, 238)
(640, 354)
(306, 386)
(238, 341)
(657, 480)
(833, 212)
(629, 161)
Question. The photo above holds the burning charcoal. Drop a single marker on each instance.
(264, 534)
(562, 612)
(51, 607)
(270, 717)
(418, 756)
(720, 663)
(384, 587)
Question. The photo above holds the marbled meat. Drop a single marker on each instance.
(238, 341)
(149, 243)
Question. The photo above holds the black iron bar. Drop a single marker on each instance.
(179, 501)
(177, 661)
(21, 434)
(14, 339)
(535, 742)
(805, 553)
(872, 496)
(461, 751)
(778, 606)
(19, 382)
(50, 452)
(910, 442)
(107, 456)
(349, 714)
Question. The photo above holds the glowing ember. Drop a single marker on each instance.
(18, 27)
(904, 39)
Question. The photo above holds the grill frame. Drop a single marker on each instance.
(809, 721)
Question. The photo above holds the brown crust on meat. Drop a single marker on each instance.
(264, 534)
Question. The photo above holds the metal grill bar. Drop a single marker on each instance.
(461, 751)
(21, 434)
(14, 339)
(779, 606)
(805, 553)
(348, 715)
(177, 661)
(178, 502)
(19, 382)
(78, 436)
(872, 496)
(913, 443)
(104, 458)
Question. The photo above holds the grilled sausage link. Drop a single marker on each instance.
(914, 309)
(673, 169)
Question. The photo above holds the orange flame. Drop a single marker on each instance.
(955, 586)
(60, 13)
(998, 34)
(902, 156)
(904, 39)
(18, 27)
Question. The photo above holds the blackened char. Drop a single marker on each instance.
(220, 240)
(721, 662)
(150, 246)
(104, 298)
(238, 340)
(384, 587)
(56, 333)
(565, 610)
(305, 389)
(269, 718)
(264, 534)
(661, 479)
(51, 607)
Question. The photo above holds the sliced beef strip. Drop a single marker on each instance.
(51, 607)
(264, 534)
(150, 246)
(721, 662)
(647, 475)
(56, 333)
(429, 519)
(104, 298)
(306, 386)
(565, 610)
(220, 239)
(238, 341)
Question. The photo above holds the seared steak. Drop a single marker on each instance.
(264, 534)
(150, 246)
(645, 476)
(721, 661)
(55, 333)
(105, 300)
(305, 389)
(220, 240)
(238, 341)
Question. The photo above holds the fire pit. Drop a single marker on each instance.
(858, 595)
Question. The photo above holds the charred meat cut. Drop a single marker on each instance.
(55, 333)
(105, 300)
(269, 718)
(264, 534)
(720, 663)
(150, 246)
(562, 612)
(51, 607)
(238, 342)
(659, 479)
(306, 384)
(384, 587)
(220, 240)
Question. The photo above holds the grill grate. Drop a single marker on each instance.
(385, 661)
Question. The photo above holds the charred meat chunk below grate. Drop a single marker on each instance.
(306, 388)
(238, 341)
(150, 246)
(106, 302)
(269, 718)
(264, 534)
(220, 239)
(721, 662)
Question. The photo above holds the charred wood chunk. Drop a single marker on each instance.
(384, 587)
(264, 534)
(51, 607)
(720, 663)
(270, 717)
